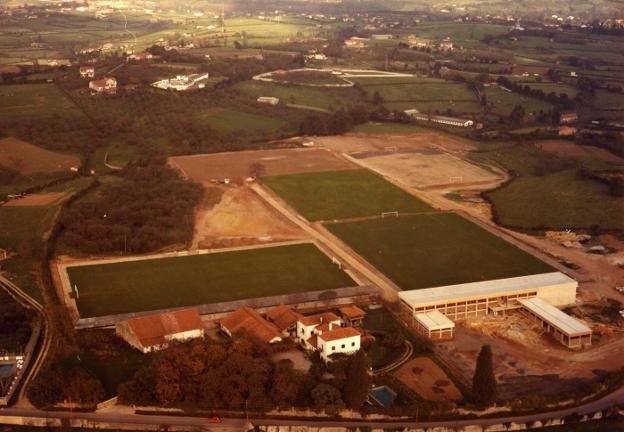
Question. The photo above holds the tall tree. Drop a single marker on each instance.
(484, 381)
(358, 381)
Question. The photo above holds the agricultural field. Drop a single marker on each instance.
(387, 128)
(503, 102)
(150, 284)
(468, 35)
(23, 101)
(558, 201)
(343, 194)
(29, 159)
(300, 96)
(423, 251)
(425, 94)
(203, 168)
(232, 120)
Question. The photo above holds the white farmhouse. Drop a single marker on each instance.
(324, 333)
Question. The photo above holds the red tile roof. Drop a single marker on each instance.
(313, 341)
(339, 333)
(319, 319)
(248, 320)
(352, 312)
(283, 317)
(151, 330)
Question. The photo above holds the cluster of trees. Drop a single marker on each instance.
(60, 382)
(562, 99)
(337, 122)
(147, 208)
(58, 132)
(15, 324)
(242, 375)
(611, 141)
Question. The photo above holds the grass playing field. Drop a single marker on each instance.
(436, 249)
(342, 194)
(135, 286)
(231, 120)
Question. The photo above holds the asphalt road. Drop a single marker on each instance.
(239, 423)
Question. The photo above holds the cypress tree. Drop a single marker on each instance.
(484, 381)
(357, 383)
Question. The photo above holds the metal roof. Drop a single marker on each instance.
(434, 320)
(562, 321)
(489, 288)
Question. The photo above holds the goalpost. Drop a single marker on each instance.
(337, 262)
(456, 179)
(390, 213)
(391, 149)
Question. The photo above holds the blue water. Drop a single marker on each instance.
(5, 369)
(384, 396)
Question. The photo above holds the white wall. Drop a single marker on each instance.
(351, 345)
(559, 295)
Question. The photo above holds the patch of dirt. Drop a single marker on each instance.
(427, 379)
(239, 218)
(218, 166)
(606, 155)
(41, 199)
(29, 159)
(562, 148)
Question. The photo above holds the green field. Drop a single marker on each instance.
(388, 128)
(231, 120)
(300, 95)
(436, 249)
(342, 194)
(144, 285)
(18, 102)
(421, 93)
(558, 201)
(503, 102)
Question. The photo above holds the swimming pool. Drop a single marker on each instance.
(5, 369)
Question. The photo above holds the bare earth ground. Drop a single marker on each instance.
(422, 161)
(28, 159)
(241, 217)
(206, 167)
(427, 379)
(33, 200)
(299, 359)
(606, 155)
(562, 148)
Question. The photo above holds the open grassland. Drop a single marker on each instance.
(232, 120)
(22, 101)
(152, 284)
(388, 128)
(29, 159)
(432, 250)
(343, 194)
(559, 201)
(300, 95)
(503, 102)
(422, 93)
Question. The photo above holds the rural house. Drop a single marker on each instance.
(139, 57)
(87, 71)
(352, 316)
(104, 85)
(356, 42)
(154, 332)
(247, 321)
(324, 333)
(568, 117)
(284, 318)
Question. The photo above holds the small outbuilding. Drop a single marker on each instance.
(352, 315)
(269, 100)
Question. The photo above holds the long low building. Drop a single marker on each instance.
(434, 325)
(567, 330)
(479, 298)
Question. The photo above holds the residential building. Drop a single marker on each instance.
(352, 316)
(285, 319)
(356, 42)
(87, 71)
(140, 57)
(269, 100)
(104, 85)
(248, 322)
(183, 82)
(324, 333)
(446, 45)
(568, 117)
(154, 332)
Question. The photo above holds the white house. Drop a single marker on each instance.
(324, 333)
(154, 332)
(183, 82)
(87, 71)
(104, 85)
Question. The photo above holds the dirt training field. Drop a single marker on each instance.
(41, 199)
(29, 159)
(427, 379)
(206, 167)
(241, 217)
(421, 160)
